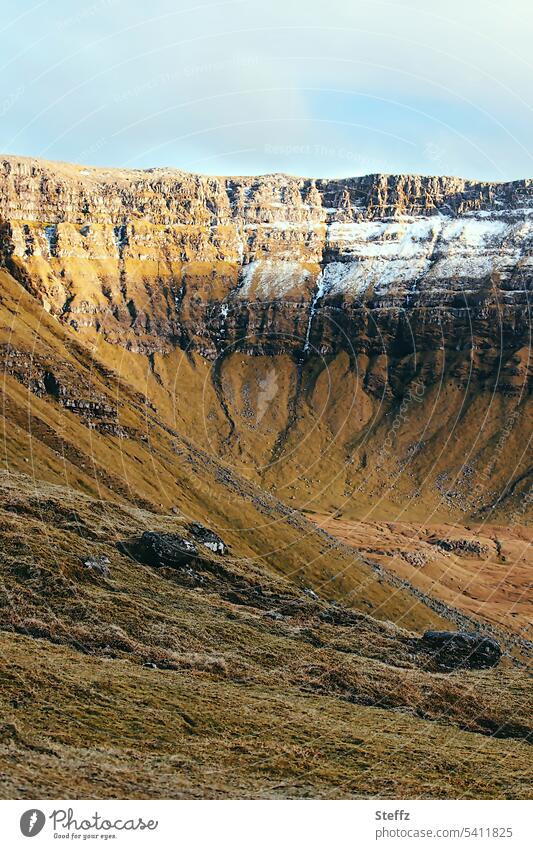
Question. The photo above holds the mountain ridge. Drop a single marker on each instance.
(59, 163)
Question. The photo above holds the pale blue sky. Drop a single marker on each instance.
(312, 87)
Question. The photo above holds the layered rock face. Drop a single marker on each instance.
(369, 265)
(362, 341)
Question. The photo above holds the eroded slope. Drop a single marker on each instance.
(227, 682)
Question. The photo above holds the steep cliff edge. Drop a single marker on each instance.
(350, 300)
(158, 256)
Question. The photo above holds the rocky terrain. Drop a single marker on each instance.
(217, 677)
(259, 436)
(396, 296)
(158, 257)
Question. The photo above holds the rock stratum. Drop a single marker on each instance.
(154, 258)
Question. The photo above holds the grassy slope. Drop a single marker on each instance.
(248, 705)
(154, 466)
(344, 449)
(241, 704)
(493, 583)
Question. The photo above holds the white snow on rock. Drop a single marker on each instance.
(397, 255)
(412, 237)
(380, 275)
(472, 232)
(461, 267)
(268, 278)
(346, 277)
(322, 289)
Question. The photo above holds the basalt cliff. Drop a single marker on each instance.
(322, 309)
(158, 258)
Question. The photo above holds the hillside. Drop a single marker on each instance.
(334, 377)
(220, 681)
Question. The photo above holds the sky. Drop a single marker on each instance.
(319, 88)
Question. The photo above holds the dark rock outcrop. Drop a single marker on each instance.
(160, 550)
(466, 547)
(460, 649)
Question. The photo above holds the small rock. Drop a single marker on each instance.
(416, 558)
(98, 564)
(310, 593)
(273, 614)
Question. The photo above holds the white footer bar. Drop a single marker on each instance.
(266, 824)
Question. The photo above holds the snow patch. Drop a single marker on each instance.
(396, 255)
(474, 233)
(271, 278)
(409, 236)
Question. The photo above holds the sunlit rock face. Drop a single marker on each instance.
(157, 259)
(349, 341)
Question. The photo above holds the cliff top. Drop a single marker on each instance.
(104, 174)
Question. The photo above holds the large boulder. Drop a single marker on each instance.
(160, 549)
(460, 649)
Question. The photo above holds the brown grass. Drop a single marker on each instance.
(145, 684)
(239, 704)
